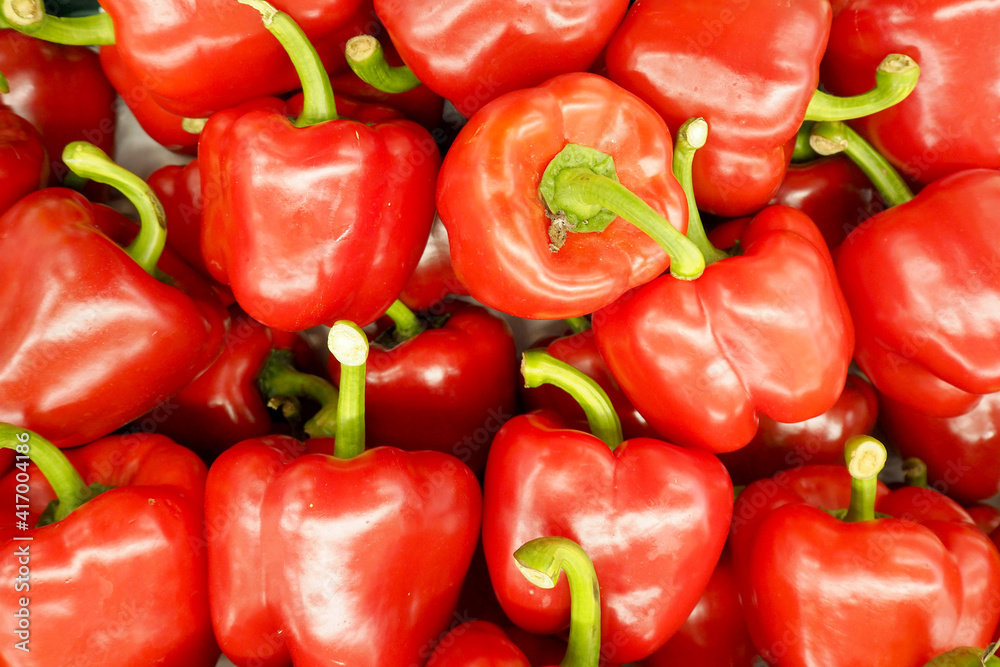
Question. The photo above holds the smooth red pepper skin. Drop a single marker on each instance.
(24, 166)
(179, 191)
(140, 342)
(62, 91)
(371, 194)
(434, 279)
(580, 351)
(749, 68)
(448, 389)
(488, 198)
(948, 123)
(653, 518)
(922, 280)
(986, 516)
(370, 548)
(235, 58)
(479, 643)
(473, 52)
(766, 332)
(817, 441)
(120, 581)
(962, 453)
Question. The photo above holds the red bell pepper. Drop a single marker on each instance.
(24, 166)
(801, 566)
(473, 52)
(530, 246)
(356, 558)
(751, 69)
(109, 576)
(652, 516)
(962, 453)
(434, 278)
(95, 340)
(370, 191)
(922, 293)
(179, 190)
(986, 516)
(446, 383)
(949, 123)
(764, 332)
(62, 91)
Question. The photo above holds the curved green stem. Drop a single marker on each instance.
(915, 472)
(365, 56)
(70, 489)
(279, 377)
(836, 137)
(578, 324)
(407, 324)
(89, 161)
(317, 94)
(349, 346)
(691, 136)
(895, 79)
(582, 192)
(865, 457)
(4, 85)
(803, 152)
(540, 367)
(540, 561)
(29, 17)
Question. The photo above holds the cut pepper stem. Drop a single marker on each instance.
(29, 17)
(407, 324)
(836, 137)
(582, 192)
(365, 56)
(89, 161)
(865, 457)
(895, 78)
(915, 472)
(691, 136)
(578, 324)
(349, 346)
(69, 487)
(279, 378)
(539, 367)
(540, 561)
(317, 94)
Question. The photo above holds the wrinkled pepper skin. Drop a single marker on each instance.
(314, 559)
(922, 280)
(122, 579)
(473, 52)
(488, 199)
(948, 124)
(766, 332)
(653, 517)
(695, 58)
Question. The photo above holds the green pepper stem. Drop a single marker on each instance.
(691, 136)
(835, 137)
(279, 377)
(318, 104)
(895, 78)
(865, 457)
(407, 324)
(578, 324)
(365, 56)
(349, 346)
(29, 17)
(540, 561)
(69, 487)
(88, 161)
(915, 472)
(539, 367)
(991, 651)
(803, 152)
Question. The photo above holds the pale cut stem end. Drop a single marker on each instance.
(348, 343)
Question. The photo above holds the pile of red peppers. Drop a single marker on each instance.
(469, 333)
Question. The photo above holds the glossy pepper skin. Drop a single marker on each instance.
(653, 518)
(488, 199)
(116, 582)
(766, 332)
(434, 278)
(62, 91)
(179, 191)
(95, 341)
(962, 453)
(371, 547)
(24, 166)
(749, 68)
(923, 295)
(948, 124)
(470, 53)
(449, 388)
